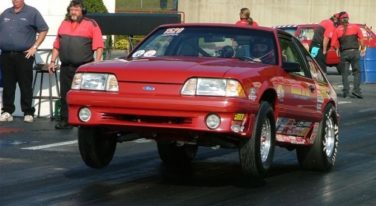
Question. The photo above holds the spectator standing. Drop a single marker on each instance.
(321, 37)
(18, 28)
(245, 18)
(163, 4)
(77, 40)
(350, 39)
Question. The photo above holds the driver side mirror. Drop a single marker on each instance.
(291, 67)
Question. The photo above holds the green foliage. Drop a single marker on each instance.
(121, 42)
(146, 5)
(95, 6)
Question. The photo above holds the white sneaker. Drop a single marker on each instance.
(6, 117)
(28, 118)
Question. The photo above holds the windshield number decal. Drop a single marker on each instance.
(138, 53)
(173, 31)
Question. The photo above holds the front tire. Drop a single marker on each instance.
(256, 153)
(322, 154)
(96, 147)
(174, 155)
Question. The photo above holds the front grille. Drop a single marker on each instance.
(148, 119)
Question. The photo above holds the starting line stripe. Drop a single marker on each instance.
(50, 145)
(70, 143)
(344, 102)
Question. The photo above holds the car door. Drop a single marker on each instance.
(299, 89)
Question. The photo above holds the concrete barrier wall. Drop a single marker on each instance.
(276, 12)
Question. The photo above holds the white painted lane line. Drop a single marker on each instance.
(344, 102)
(51, 145)
(140, 141)
(367, 110)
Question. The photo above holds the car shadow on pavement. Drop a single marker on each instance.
(203, 172)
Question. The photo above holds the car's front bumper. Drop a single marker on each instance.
(185, 113)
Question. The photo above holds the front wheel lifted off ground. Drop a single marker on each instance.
(256, 153)
(97, 147)
(322, 154)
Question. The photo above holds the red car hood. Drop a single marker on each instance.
(171, 70)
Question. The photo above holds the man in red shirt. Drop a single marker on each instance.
(245, 18)
(322, 35)
(77, 39)
(349, 36)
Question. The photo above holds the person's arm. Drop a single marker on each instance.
(42, 28)
(98, 54)
(32, 50)
(52, 64)
(334, 41)
(361, 42)
(362, 47)
(42, 35)
(325, 45)
(97, 43)
(328, 34)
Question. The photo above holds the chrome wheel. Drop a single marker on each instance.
(265, 141)
(256, 153)
(329, 139)
(322, 154)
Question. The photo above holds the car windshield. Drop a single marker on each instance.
(210, 42)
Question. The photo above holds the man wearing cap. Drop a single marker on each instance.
(322, 35)
(349, 37)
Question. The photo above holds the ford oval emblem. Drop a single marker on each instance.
(148, 88)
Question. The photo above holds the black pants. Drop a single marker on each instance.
(66, 77)
(321, 60)
(350, 57)
(17, 69)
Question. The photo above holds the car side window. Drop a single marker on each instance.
(290, 54)
(315, 71)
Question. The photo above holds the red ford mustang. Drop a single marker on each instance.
(190, 85)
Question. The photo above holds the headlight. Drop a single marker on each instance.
(213, 87)
(95, 81)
